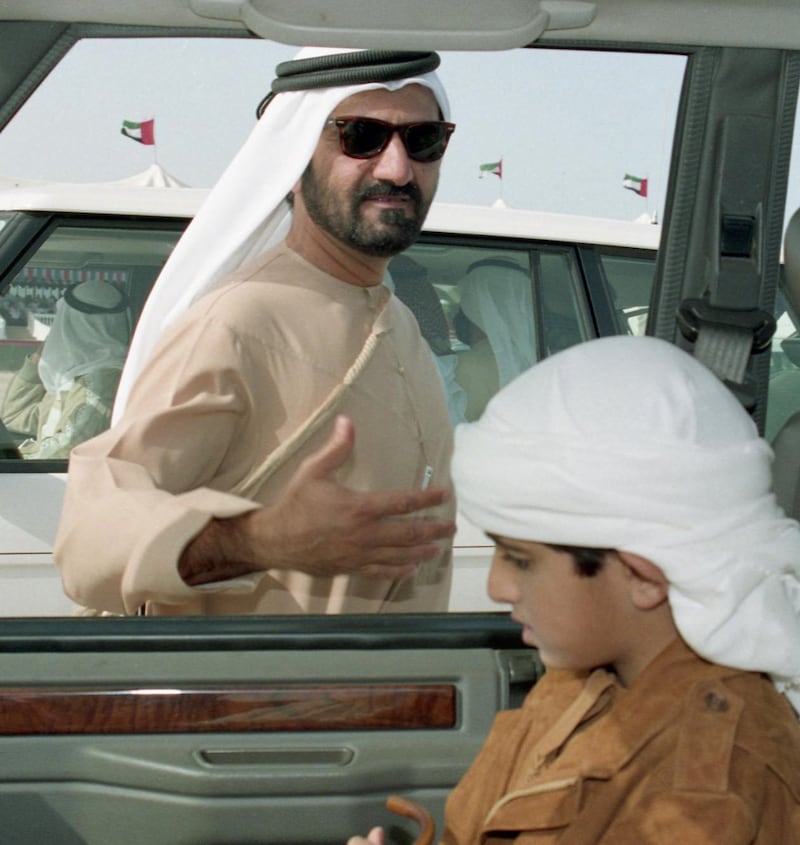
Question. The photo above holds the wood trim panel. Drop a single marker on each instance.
(98, 710)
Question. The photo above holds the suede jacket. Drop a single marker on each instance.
(690, 753)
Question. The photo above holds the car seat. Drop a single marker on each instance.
(412, 286)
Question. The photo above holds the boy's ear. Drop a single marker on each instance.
(648, 584)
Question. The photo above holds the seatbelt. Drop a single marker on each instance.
(726, 325)
(724, 339)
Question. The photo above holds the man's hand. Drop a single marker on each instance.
(319, 527)
(374, 837)
(322, 528)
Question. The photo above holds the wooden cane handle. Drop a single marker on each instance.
(412, 810)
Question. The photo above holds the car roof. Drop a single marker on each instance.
(448, 24)
(128, 198)
(103, 198)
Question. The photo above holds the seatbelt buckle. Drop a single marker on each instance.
(693, 314)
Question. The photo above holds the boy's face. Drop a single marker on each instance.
(576, 621)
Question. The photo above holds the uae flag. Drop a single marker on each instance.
(495, 167)
(635, 184)
(144, 132)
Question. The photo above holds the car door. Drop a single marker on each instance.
(43, 253)
(243, 730)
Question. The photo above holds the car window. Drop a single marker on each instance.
(489, 312)
(58, 376)
(783, 397)
(475, 304)
(546, 130)
(630, 279)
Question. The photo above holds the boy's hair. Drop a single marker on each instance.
(588, 562)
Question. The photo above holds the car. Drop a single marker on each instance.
(295, 729)
(589, 277)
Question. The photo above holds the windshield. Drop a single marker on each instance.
(560, 142)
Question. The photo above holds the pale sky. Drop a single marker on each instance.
(568, 127)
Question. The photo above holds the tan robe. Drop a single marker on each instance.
(691, 753)
(243, 387)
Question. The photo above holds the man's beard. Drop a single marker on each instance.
(348, 225)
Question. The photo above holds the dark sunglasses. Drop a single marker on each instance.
(366, 137)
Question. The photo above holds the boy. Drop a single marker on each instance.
(641, 548)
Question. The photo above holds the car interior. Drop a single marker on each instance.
(281, 730)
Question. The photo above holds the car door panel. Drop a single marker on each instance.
(243, 730)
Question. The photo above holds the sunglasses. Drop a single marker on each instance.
(366, 137)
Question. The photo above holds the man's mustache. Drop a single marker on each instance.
(380, 190)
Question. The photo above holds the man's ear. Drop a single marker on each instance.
(648, 585)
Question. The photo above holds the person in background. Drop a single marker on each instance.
(280, 441)
(64, 392)
(498, 323)
(640, 547)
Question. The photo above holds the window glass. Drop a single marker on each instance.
(547, 130)
(536, 128)
(564, 314)
(476, 308)
(783, 398)
(630, 280)
(490, 313)
(68, 314)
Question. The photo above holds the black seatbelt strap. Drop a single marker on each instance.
(727, 325)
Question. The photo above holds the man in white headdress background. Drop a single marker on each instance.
(64, 392)
(497, 301)
(281, 442)
(640, 547)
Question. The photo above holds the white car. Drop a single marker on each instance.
(587, 276)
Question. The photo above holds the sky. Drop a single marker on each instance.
(568, 126)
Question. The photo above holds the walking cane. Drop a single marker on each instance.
(412, 810)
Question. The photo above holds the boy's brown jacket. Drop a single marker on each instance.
(691, 753)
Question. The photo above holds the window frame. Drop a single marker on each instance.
(21, 239)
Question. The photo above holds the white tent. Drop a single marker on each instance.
(154, 177)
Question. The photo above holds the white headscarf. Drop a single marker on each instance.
(496, 296)
(246, 212)
(79, 341)
(630, 443)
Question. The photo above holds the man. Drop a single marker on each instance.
(269, 446)
(64, 391)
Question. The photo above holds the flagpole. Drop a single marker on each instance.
(496, 169)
